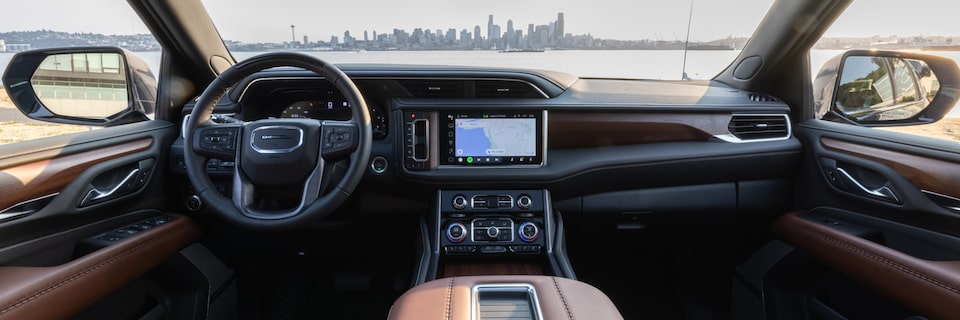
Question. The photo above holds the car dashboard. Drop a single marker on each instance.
(490, 157)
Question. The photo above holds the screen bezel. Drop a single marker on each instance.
(448, 138)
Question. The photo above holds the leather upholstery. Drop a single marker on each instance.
(58, 292)
(929, 287)
(450, 298)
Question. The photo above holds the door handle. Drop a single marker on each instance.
(98, 194)
(882, 192)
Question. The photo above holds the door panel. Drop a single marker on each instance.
(79, 217)
(874, 217)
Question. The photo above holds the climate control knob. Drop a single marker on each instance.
(459, 202)
(528, 231)
(493, 232)
(456, 232)
(524, 202)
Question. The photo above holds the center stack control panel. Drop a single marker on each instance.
(492, 222)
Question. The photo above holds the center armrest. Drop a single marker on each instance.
(456, 298)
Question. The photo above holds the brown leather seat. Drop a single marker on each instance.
(451, 298)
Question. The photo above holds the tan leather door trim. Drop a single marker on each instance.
(929, 287)
(60, 291)
(46, 177)
(938, 176)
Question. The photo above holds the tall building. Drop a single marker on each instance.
(366, 36)
(490, 28)
(559, 33)
(477, 38)
(510, 40)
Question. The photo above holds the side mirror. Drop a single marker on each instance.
(886, 88)
(93, 86)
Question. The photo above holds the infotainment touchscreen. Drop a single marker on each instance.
(492, 139)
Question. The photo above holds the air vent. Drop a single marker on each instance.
(759, 127)
(433, 88)
(761, 98)
(506, 89)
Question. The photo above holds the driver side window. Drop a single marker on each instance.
(76, 85)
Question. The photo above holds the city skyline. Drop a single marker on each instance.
(253, 21)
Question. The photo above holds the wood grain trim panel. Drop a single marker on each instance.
(36, 179)
(568, 130)
(929, 287)
(60, 291)
(935, 175)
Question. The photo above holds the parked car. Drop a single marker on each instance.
(223, 184)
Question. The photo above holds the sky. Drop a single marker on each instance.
(269, 20)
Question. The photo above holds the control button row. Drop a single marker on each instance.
(525, 248)
(459, 249)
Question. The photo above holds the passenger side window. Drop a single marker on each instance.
(887, 93)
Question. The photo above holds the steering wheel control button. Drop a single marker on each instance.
(528, 232)
(459, 202)
(338, 140)
(456, 232)
(378, 165)
(524, 202)
(221, 141)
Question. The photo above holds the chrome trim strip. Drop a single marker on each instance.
(734, 139)
(5, 216)
(259, 150)
(945, 197)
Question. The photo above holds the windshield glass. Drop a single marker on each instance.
(600, 38)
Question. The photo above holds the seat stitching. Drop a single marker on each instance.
(893, 264)
(80, 274)
(449, 299)
(563, 300)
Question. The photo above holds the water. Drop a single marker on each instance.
(636, 64)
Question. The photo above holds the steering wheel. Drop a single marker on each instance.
(277, 154)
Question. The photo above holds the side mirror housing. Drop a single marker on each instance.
(886, 88)
(93, 86)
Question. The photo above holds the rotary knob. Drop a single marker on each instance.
(524, 202)
(456, 232)
(528, 231)
(459, 202)
(493, 232)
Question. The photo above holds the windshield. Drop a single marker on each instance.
(600, 38)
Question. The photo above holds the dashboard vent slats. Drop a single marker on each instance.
(755, 127)
(434, 88)
(471, 88)
(761, 98)
(506, 89)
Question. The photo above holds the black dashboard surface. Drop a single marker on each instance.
(597, 130)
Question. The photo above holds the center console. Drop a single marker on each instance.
(493, 222)
(483, 231)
